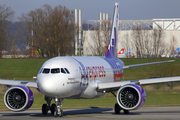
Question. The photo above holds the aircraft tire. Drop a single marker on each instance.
(126, 111)
(61, 113)
(117, 108)
(53, 107)
(44, 109)
(55, 112)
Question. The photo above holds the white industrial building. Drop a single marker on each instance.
(170, 27)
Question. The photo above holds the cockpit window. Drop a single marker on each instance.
(40, 70)
(46, 70)
(55, 70)
(67, 71)
(63, 71)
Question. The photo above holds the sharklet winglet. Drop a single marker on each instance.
(112, 45)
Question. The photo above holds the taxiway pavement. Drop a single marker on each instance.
(144, 113)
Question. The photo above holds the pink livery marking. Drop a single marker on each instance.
(96, 71)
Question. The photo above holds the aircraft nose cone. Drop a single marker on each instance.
(52, 86)
(46, 86)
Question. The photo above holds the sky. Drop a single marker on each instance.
(128, 9)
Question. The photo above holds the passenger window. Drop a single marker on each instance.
(63, 71)
(46, 70)
(67, 71)
(55, 70)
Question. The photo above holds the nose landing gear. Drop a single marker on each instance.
(55, 109)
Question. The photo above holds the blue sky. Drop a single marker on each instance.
(128, 9)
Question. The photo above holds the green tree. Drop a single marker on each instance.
(53, 30)
(6, 15)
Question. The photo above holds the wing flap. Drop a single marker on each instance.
(16, 82)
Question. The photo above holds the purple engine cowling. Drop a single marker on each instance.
(131, 97)
(18, 98)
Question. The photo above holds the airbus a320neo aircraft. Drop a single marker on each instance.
(82, 78)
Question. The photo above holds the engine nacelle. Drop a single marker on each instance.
(131, 97)
(18, 98)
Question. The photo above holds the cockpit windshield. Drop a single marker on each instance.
(67, 71)
(63, 71)
(46, 70)
(54, 70)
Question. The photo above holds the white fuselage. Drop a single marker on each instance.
(77, 77)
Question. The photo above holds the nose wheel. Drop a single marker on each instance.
(57, 109)
(53, 106)
(58, 112)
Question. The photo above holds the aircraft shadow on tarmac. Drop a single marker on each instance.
(86, 111)
(65, 113)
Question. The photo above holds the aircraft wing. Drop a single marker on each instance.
(113, 86)
(17, 82)
(137, 65)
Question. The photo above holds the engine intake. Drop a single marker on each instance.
(18, 98)
(131, 97)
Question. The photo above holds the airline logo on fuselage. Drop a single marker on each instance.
(91, 72)
(96, 71)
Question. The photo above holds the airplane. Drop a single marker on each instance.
(79, 77)
(176, 52)
(121, 52)
(129, 52)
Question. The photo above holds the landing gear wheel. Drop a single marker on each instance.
(44, 109)
(55, 112)
(126, 111)
(58, 111)
(53, 107)
(117, 108)
(61, 113)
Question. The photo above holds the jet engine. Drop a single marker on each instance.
(131, 97)
(18, 98)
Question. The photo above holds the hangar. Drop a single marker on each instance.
(90, 44)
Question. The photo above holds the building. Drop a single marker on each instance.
(170, 28)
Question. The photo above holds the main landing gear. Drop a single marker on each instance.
(117, 108)
(55, 109)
